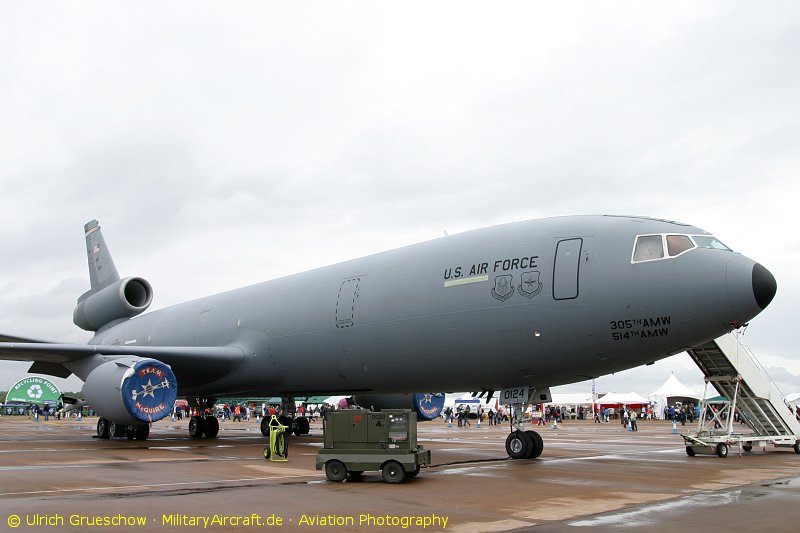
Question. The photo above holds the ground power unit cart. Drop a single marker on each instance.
(357, 440)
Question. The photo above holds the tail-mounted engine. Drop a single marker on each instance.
(122, 299)
(427, 406)
(131, 390)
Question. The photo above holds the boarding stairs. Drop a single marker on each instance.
(737, 375)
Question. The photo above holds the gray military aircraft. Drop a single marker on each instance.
(516, 307)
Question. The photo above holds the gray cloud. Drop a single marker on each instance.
(222, 146)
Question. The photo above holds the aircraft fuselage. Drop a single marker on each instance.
(542, 303)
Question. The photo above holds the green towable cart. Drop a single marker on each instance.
(357, 440)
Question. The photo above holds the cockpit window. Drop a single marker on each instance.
(677, 244)
(648, 247)
(651, 247)
(708, 241)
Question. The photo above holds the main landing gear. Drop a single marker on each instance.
(297, 425)
(107, 429)
(205, 425)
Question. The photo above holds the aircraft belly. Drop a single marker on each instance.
(444, 353)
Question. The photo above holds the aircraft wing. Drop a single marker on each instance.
(217, 360)
(10, 338)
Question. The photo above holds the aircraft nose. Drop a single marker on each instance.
(764, 285)
(750, 288)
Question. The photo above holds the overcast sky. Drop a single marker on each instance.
(222, 144)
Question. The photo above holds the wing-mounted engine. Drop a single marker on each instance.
(131, 390)
(123, 299)
(428, 406)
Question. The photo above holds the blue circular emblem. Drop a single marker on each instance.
(150, 392)
(429, 406)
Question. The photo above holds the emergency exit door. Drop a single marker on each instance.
(566, 269)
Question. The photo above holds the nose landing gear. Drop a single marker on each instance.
(524, 444)
(521, 443)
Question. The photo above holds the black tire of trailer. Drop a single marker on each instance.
(393, 472)
(335, 470)
(722, 450)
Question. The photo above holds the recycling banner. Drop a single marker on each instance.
(33, 390)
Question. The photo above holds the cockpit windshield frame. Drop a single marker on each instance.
(660, 246)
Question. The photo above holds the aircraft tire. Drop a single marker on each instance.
(301, 426)
(265, 426)
(335, 470)
(518, 445)
(537, 444)
(102, 428)
(286, 421)
(722, 450)
(393, 472)
(690, 451)
(196, 427)
(141, 432)
(116, 431)
(211, 428)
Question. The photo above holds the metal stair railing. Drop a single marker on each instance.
(726, 363)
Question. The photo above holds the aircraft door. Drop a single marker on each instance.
(566, 269)
(346, 302)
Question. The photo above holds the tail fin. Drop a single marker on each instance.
(110, 299)
(102, 271)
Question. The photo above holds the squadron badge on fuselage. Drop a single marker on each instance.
(503, 287)
(529, 286)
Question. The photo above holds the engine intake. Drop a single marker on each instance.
(125, 298)
(131, 390)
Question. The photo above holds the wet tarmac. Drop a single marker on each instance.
(55, 477)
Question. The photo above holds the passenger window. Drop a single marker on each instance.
(677, 244)
(648, 247)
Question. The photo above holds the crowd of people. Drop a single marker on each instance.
(37, 411)
(464, 415)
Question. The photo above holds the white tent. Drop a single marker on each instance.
(792, 399)
(671, 391)
(628, 398)
(565, 398)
